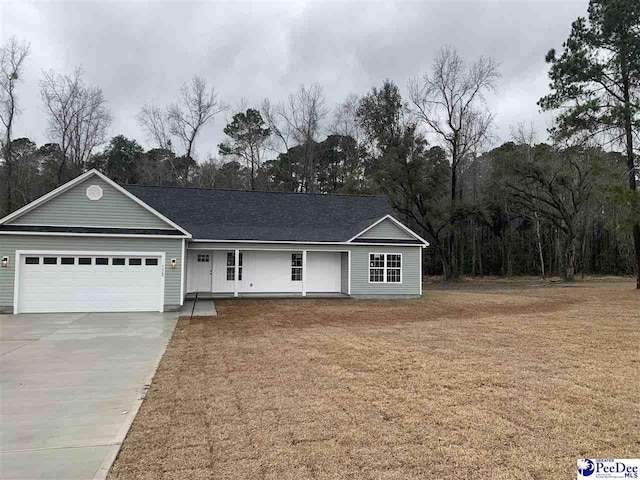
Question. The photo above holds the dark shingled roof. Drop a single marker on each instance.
(267, 216)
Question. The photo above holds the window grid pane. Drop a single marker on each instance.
(296, 259)
(376, 260)
(393, 261)
(296, 274)
(376, 275)
(231, 274)
(393, 275)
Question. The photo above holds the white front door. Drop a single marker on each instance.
(199, 271)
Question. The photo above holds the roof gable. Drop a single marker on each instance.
(70, 206)
(388, 229)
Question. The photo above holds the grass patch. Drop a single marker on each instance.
(486, 382)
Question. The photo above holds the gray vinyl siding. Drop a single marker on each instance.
(73, 208)
(10, 243)
(410, 272)
(387, 230)
(344, 272)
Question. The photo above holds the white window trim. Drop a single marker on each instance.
(384, 268)
(239, 269)
(301, 267)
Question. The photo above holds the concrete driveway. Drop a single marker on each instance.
(70, 385)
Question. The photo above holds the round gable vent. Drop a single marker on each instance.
(94, 192)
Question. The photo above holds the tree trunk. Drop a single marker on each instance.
(509, 246)
(631, 166)
(583, 253)
(446, 268)
(557, 252)
(9, 163)
(453, 260)
(570, 260)
(461, 251)
(480, 269)
(473, 249)
(539, 238)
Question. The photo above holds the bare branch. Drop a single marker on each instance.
(197, 104)
(153, 121)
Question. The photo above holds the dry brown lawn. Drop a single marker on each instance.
(473, 382)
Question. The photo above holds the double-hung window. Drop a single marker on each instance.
(385, 268)
(231, 268)
(296, 267)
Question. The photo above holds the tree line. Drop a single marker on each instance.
(566, 207)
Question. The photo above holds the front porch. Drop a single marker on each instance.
(223, 272)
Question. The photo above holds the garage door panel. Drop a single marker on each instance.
(89, 288)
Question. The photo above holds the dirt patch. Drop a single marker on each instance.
(462, 383)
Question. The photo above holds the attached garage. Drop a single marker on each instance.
(90, 246)
(64, 281)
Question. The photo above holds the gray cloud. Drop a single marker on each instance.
(144, 51)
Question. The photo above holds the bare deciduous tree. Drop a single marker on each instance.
(281, 138)
(345, 119)
(153, 121)
(12, 56)
(196, 106)
(78, 118)
(450, 103)
(299, 119)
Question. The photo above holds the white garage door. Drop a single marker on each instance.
(62, 282)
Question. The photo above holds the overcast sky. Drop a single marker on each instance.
(143, 51)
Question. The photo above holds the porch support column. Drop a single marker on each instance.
(349, 272)
(304, 273)
(236, 273)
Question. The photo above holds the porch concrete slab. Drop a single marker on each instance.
(70, 386)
